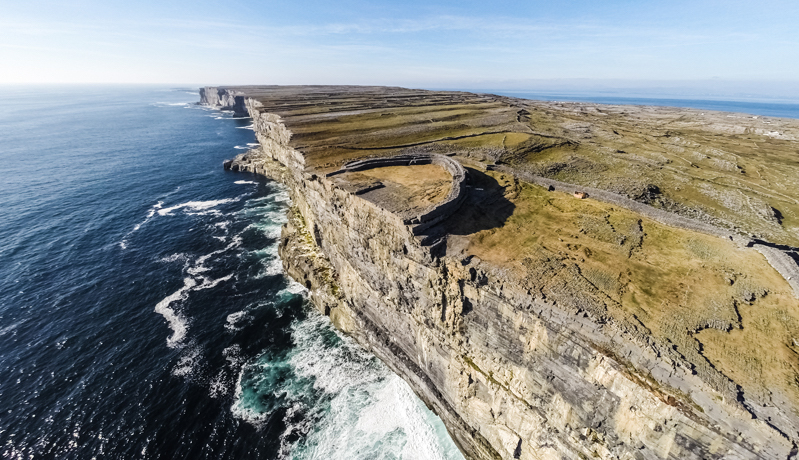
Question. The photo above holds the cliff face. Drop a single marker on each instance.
(224, 99)
(517, 366)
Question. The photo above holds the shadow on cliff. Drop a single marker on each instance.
(485, 208)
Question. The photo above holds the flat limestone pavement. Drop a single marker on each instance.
(643, 321)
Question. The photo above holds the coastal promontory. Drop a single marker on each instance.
(554, 280)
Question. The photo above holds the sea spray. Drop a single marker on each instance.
(337, 401)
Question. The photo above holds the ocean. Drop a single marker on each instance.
(144, 312)
(787, 108)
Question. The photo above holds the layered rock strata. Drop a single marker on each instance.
(515, 367)
(224, 99)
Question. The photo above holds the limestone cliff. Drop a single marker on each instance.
(222, 98)
(526, 348)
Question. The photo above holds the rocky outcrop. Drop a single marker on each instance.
(224, 99)
(512, 372)
(784, 262)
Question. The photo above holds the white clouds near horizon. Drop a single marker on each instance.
(410, 43)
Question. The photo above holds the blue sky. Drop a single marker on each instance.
(466, 44)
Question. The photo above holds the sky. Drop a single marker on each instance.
(747, 45)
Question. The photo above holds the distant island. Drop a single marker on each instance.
(554, 280)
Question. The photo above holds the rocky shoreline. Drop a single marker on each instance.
(516, 367)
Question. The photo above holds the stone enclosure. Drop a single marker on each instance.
(397, 201)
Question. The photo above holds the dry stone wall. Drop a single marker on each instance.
(439, 211)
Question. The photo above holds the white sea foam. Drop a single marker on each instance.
(294, 288)
(187, 362)
(250, 127)
(208, 284)
(241, 147)
(258, 200)
(244, 182)
(199, 264)
(338, 367)
(248, 414)
(177, 322)
(270, 229)
(372, 413)
(391, 407)
(180, 324)
(218, 388)
(197, 270)
(173, 258)
(417, 422)
(195, 205)
(271, 268)
(233, 355)
(233, 319)
(150, 213)
(241, 409)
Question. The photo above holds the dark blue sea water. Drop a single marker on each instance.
(143, 309)
(771, 108)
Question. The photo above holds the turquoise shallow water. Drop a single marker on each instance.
(143, 310)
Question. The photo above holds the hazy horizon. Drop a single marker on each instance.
(732, 47)
(717, 89)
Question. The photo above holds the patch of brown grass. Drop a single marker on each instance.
(679, 284)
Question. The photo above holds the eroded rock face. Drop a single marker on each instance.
(512, 372)
(223, 98)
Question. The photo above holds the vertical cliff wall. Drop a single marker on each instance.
(223, 98)
(512, 372)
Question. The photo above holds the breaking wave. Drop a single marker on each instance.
(337, 401)
(162, 348)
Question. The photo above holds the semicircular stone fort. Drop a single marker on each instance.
(423, 189)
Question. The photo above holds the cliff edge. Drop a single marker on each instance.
(553, 280)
